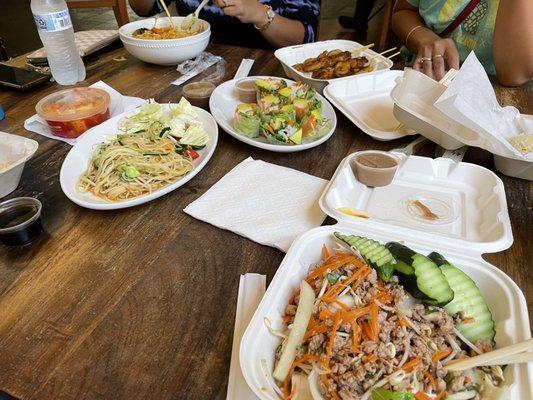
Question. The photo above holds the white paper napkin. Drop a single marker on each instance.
(470, 100)
(251, 290)
(118, 105)
(264, 202)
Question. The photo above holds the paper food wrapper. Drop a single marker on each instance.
(118, 105)
(470, 100)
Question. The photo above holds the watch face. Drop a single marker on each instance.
(271, 13)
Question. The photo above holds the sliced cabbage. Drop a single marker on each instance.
(300, 387)
(184, 107)
(195, 135)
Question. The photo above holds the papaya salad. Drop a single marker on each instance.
(155, 147)
(286, 114)
(381, 321)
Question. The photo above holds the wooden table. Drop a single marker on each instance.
(140, 303)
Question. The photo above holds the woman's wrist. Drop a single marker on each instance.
(259, 15)
(421, 38)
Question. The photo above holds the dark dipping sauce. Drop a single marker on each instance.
(20, 221)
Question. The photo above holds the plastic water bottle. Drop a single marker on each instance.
(55, 30)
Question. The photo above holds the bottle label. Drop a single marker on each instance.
(53, 22)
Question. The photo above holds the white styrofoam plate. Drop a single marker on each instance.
(365, 100)
(288, 56)
(15, 150)
(79, 156)
(470, 200)
(224, 99)
(504, 297)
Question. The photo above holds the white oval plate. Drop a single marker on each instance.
(224, 99)
(76, 161)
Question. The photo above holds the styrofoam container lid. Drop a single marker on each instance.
(469, 200)
(365, 100)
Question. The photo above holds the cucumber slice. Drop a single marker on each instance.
(431, 284)
(373, 252)
(469, 300)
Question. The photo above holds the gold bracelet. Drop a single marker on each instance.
(411, 32)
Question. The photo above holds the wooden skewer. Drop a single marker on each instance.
(387, 51)
(162, 2)
(505, 355)
(394, 55)
(361, 49)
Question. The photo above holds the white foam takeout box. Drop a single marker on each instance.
(15, 150)
(471, 203)
(288, 56)
(414, 96)
(365, 100)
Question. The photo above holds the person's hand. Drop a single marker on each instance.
(437, 56)
(247, 11)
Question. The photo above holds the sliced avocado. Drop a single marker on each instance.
(297, 137)
(285, 92)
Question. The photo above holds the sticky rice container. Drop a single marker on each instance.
(71, 112)
(14, 152)
(464, 232)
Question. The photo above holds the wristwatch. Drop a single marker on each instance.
(270, 17)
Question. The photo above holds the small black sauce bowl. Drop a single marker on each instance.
(28, 229)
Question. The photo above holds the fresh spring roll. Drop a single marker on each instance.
(269, 104)
(314, 125)
(247, 120)
(302, 90)
(281, 128)
(301, 107)
(268, 86)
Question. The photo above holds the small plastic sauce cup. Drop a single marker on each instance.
(198, 93)
(20, 221)
(71, 112)
(374, 168)
(245, 88)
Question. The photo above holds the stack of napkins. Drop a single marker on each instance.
(470, 100)
(118, 105)
(264, 202)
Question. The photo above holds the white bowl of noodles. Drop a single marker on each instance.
(167, 48)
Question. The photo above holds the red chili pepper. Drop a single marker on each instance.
(192, 154)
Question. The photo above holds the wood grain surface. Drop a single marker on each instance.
(140, 303)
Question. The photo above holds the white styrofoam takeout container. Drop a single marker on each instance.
(365, 100)
(413, 96)
(481, 225)
(14, 152)
(166, 51)
(288, 56)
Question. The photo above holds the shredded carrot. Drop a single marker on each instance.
(440, 395)
(385, 297)
(469, 320)
(367, 330)
(325, 314)
(411, 364)
(402, 322)
(354, 314)
(374, 325)
(306, 357)
(325, 252)
(287, 318)
(430, 379)
(356, 336)
(333, 263)
(332, 335)
(316, 330)
(422, 396)
(370, 358)
(329, 388)
(440, 354)
(341, 305)
(336, 289)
